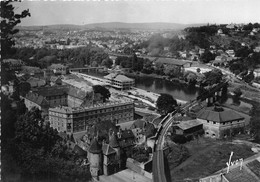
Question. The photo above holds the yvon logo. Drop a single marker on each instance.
(237, 162)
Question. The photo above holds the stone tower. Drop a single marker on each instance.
(95, 159)
(113, 142)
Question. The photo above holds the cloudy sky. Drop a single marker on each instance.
(139, 11)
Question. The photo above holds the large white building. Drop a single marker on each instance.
(76, 119)
(119, 81)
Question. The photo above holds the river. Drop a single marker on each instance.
(158, 85)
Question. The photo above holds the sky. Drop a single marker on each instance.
(81, 12)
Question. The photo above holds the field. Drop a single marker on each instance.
(206, 157)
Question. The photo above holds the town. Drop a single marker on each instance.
(93, 103)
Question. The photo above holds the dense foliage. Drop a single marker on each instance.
(103, 91)
(165, 104)
(78, 57)
(41, 153)
(141, 154)
(8, 22)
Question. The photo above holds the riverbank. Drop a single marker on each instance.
(144, 96)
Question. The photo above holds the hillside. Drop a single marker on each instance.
(114, 25)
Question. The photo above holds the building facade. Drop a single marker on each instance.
(55, 95)
(71, 120)
(220, 122)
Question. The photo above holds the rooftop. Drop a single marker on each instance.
(118, 77)
(113, 142)
(78, 83)
(65, 109)
(38, 99)
(95, 147)
(107, 149)
(220, 116)
(184, 125)
(52, 90)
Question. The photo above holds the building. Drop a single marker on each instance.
(119, 81)
(105, 158)
(79, 98)
(220, 122)
(179, 64)
(34, 100)
(55, 95)
(71, 120)
(59, 69)
(189, 128)
(36, 82)
(221, 60)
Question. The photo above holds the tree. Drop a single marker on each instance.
(107, 63)
(103, 91)
(172, 71)
(165, 104)
(24, 88)
(8, 21)
(237, 93)
(207, 56)
(213, 77)
(42, 153)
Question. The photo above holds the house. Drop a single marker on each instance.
(231, 53)
(119, 81)
(47, 73)
(126, 139)
(220, 32)
(201, 51)
(220, 122)
(221, 60)
(142, 130)
(59, 69)
(257, 72)
(36, 82)
(34, 100)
